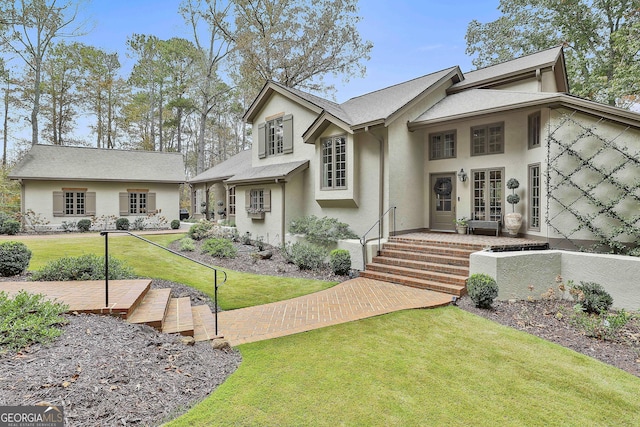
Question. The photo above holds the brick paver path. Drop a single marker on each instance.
(351, 300)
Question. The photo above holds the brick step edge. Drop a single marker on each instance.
(179, 317)
(417, 242)
(204, 323)
(145, 312)
(462, 261)
(416, 283)
(444, 278)
(458, 270)
(424, 249)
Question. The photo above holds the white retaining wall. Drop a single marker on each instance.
(515, 271)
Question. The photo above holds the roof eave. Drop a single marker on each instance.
(321, 123)
(42, 178)
(271, 179)
(267, 90)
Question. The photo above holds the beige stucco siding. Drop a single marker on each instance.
(38, 196)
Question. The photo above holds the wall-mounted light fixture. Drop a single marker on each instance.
(462, 175)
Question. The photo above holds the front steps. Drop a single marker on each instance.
(437, 266)
(174, 315)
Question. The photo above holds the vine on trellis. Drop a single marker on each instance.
(608, 205)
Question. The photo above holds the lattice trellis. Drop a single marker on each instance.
(593, 185)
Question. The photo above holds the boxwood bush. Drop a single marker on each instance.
(83, 267)
(122, 224)
(592, 297)
(307, 256)
(14, 258)
(340, 261)
(482, 289)
(221, 248)
(84, 225)
(175, 224)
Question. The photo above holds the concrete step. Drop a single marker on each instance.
(152, 309)
(204, 324)
(440, 267)
(429, 275)
(426, 257)
(452, 289)
(179, 317)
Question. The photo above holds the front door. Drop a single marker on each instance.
(443, 202)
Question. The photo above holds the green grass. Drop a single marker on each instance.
(420, 367)
(241, 289)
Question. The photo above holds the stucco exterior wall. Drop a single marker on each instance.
(38, 196)
(269, 228)
(516, 271)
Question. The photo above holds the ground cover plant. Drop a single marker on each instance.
(83, 267)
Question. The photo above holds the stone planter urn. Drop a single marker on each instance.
(513, 222)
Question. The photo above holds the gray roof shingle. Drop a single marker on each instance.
(281, 171)
(226, 169)
(55, 162)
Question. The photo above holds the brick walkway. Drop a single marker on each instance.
(351, 300)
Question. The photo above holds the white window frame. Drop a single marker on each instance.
(334, 163)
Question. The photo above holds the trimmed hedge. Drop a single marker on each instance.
(84, 267)
(482, 289)
(14, 258)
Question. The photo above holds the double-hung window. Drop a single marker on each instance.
(487, 139)
(74, 202)
(334, 162)
(275, 136)
(488, 188)
(137, 202)
(442, 145)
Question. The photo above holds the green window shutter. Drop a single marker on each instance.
(90, 200)
(124, 204)
(58, 203)
(151, 202)
(262, 144)
(287, 137)
(267, 200)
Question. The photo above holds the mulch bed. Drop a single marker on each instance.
(105, 371)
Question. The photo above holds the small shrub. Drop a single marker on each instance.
(175, 224)
(84, 267)
(340, 261)
(482, 289)
(592, 297)
(84, 225)
(245, 239)
(138, 224)
(285, 251)
(308, 256)
(605, 326)
(187, 244)
(68, 226)
(28, 319)
(122, 224)
(259, 243)
(14, 258)
(11, 227)
(200, 230)
(221, 248)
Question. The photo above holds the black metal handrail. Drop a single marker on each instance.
(106, 268)
(363, 239)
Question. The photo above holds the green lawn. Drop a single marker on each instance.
(440, 367)
(419, 367)
(241, 289)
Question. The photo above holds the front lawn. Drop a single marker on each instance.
(241, 289)
(420, 367)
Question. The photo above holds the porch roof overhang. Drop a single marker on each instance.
(225, 170)
(483, 102)
(282, 172)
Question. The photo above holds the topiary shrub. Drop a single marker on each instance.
(200, 230)
(221, 248)
(28, 319)
(14, 258)
(84, 225)
(11, 227)
(592, 297)
(122, 224)
(482, 289)
(307, 256)
(175, 224)
(340, 261)
(187, 244)
(84, 267)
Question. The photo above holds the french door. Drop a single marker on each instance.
(488, 191)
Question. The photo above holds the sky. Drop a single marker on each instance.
(410, 38)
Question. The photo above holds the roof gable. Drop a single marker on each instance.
(517, 69)
(55, 162)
